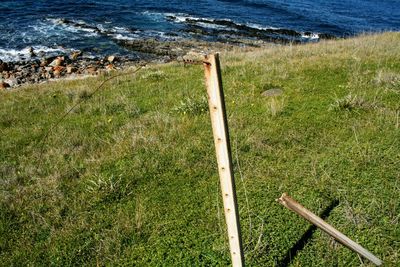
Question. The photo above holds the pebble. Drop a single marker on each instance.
(4, 85)
(111, 59)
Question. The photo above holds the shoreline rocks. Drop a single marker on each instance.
(39, 70)
(15, 74)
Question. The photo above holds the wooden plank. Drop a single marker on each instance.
(223, 152)
(296, 207)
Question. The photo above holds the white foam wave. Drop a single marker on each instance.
(9, 55)
(206, 22)
(260, 27)
(123, 37)
(75, 26)
(120, 29)
(312, 36)
(147, 34)
(177, 17)
(214, 26)
(101, 28)
(94, 30)
(181, 18)
(156, 16)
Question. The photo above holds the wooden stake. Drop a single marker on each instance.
(293, 205)
(223, 151)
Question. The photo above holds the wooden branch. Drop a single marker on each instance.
(224, 159)
(296, 207)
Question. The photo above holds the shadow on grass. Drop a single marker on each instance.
(306, 237)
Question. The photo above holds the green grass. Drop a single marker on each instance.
(129, 178)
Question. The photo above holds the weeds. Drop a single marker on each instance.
(84, 95)
(103, 184)
(276, 105)
(156, 75)
(388, 79)
(349, 103)
(192, 106)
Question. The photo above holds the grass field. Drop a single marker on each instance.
(130, 178)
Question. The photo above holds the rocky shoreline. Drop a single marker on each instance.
(77, 64)
(206, 35)
(15, 74)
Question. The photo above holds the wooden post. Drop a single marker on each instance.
(296, 207)
(223, 151)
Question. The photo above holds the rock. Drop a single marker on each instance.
(272, 92)
(57, 71)
(75, 55)
(6, 75)
(12, 82)
(3, 66)
(92, 70)
(48, 75)
(70, 69)
(26, 72)
(57, 62)
(57, 74)
(44, 62)
(31, 51)
(110, 67)
(58, 68)
(4, 85)
(111, 59)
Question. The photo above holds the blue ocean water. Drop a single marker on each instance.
(96, 27)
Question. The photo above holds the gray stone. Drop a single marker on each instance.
(11, 82)
(272, 92)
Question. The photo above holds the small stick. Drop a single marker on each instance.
(296, 207)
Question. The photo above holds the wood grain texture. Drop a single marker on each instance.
(223, 152)
(296, 207)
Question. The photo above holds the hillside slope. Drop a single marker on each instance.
(129, 177)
